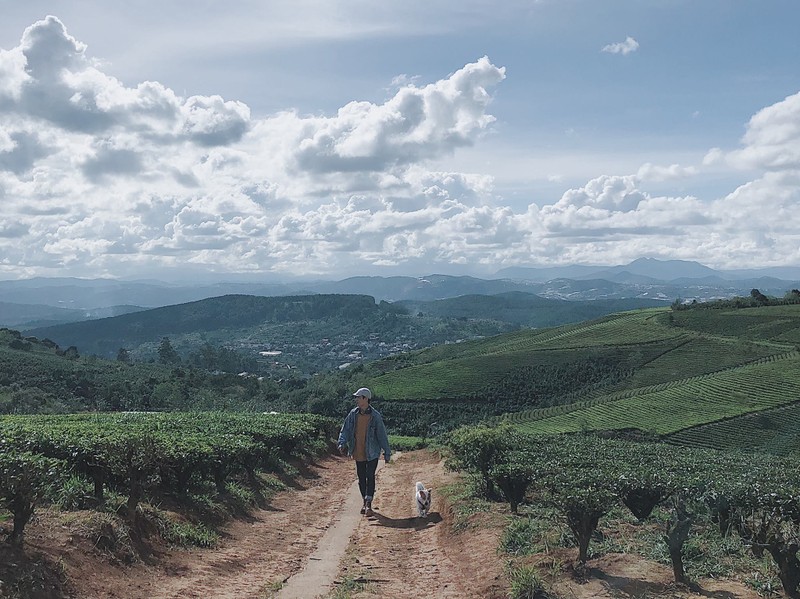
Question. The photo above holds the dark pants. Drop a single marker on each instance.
(366, 478)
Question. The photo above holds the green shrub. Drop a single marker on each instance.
(187, 534)
(405, 443)
(526, 584)
(76, 493)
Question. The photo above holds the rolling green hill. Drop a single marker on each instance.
(674, 406)
(629, 340)
(659, 371)
(236, 312)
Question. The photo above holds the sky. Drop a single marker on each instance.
(330, 138)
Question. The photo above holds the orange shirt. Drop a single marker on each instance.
(362, 425)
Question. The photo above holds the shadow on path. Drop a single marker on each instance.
(416, 523)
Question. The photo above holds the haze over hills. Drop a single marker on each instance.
(643, 278)
(661, 270)
(26, 316)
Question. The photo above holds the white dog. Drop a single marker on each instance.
(423, 499)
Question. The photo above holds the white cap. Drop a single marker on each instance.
(363, 391)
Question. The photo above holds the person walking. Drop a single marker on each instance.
(363, 436)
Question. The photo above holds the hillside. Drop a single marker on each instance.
(523, 309)
(703, 377)
(308, 333)
(41, 377)
(313, 333)
(655, 370)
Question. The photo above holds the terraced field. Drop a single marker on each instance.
(697, 355)
(780, 324)
(468, 368)
(674, 406)
(774, 431)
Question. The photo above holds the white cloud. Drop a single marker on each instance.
(416, 124)
(772, 139)
(624, 48)
(713, 156)
(606, 192)
(653, 172)
(102, 173)
(402, 80)
(97, 177)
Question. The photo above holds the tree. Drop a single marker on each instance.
(24, 479)
(123, 356)
(513, 479)
(760, 298)
(167, 353)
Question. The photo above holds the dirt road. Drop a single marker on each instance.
(392, 554)
(397, 554)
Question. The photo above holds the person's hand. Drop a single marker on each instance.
(342, 450)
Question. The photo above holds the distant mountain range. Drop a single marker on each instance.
(28, 316)
(664, 271)
(35, 302)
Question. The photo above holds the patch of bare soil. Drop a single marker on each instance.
(625, 576)
(618, 575)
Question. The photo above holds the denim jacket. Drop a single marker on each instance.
(376, 435)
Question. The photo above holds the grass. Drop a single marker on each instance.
(180, 533)
(271, 590)
(346, 588)
(526, 583)
(106, 532)
(465, 502)
(538, 531)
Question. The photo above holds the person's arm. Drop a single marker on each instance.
(345, 433)
(383, 438)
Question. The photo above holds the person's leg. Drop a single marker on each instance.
(369, 475)
(361, 470)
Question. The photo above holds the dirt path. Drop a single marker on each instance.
(319, 575)
(259, 556)
(253, 560)
(397, 554)
(308, 540)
